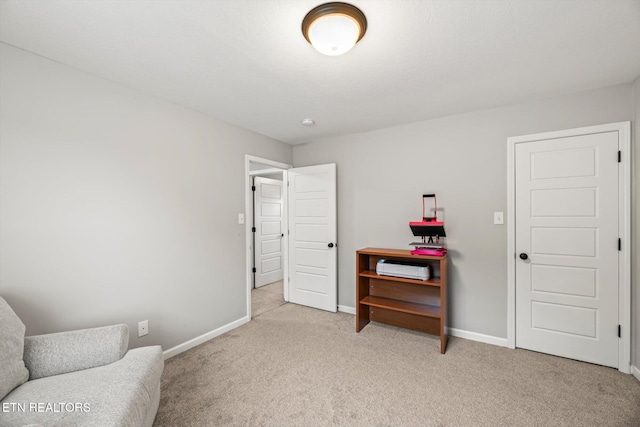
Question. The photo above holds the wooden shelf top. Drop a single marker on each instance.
(401, 253)
(434, 281)
(402, 306)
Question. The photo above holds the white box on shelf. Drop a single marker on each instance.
(406, 270)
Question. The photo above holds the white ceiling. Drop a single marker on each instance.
(246, 62)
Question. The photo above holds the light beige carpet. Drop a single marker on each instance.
(296, 366)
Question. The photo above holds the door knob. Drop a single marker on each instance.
(523, 256)
(330, 245)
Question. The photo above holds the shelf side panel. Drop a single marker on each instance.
(362, 291)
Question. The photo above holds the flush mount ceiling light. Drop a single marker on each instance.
(334, 28)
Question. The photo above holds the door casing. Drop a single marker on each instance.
(248, 209)
(624, 231)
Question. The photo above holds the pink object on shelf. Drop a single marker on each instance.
(429, 251)
(427, 223)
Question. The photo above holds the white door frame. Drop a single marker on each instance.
(248, 209)
(624, 230)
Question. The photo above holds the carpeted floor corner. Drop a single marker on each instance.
(297, 366)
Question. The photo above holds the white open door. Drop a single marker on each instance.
(566, 241)
(269, 225)
(312, 237)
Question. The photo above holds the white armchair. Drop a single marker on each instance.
(77, 378)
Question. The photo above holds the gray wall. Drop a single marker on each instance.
(117, 206)
(462, 158)
(635, 225)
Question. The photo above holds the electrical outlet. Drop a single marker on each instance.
(240, 218)
(498, 218)
(143, 328)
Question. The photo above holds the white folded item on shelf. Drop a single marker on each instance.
(401, 269)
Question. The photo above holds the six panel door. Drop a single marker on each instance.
(567, 247)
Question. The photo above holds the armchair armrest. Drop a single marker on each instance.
(54, 354)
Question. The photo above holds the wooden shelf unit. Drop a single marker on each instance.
(408, 303)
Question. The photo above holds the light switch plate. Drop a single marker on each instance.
(498, 218)
(240, 218)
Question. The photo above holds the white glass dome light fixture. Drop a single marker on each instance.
(334, 28)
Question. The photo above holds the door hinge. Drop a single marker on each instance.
(619, 332)
(619, 156)
(253, 229)
(619, 244)
(253, 188)
(253, 270)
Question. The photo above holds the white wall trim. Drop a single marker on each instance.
(635, 372)
(624, 260)
(174, 351)
(475, 336)
(262, 172)
(472, 336)
(511, 251)
(347, 309)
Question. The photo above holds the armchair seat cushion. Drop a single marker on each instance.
(117, 394)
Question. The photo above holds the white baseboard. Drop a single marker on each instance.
(635, 372)
(347, 309)
(474, 336)
(174, 351)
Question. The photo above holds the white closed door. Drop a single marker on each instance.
(312, 238)
(566, 222)
(269, 230)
